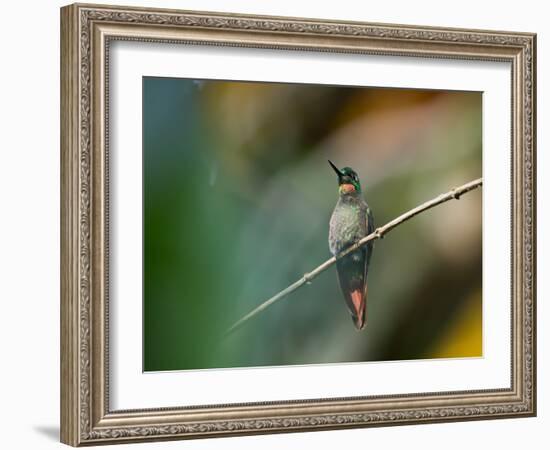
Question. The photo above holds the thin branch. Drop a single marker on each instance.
(379, 233)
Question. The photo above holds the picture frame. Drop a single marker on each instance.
(87, 33)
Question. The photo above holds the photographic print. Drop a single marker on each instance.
(247, 186)
(275, 224)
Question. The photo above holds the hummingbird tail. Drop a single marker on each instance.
(359, 300)
(353, 282)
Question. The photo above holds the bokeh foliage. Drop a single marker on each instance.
(237, 199)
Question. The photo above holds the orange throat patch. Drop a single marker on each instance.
(347, 188)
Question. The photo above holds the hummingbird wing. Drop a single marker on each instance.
(370, 245)
(352, 275)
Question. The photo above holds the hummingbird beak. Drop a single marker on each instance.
(336, 169)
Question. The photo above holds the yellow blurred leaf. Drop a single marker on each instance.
(464, 338)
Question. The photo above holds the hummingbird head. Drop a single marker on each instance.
(348, 181)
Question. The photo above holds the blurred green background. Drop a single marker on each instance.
(237, 198)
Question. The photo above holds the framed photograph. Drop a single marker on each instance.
(275, 224)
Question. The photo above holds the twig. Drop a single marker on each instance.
(377, 234)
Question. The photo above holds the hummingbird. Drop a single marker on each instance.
(351, 220)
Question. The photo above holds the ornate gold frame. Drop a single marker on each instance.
(86, 31)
